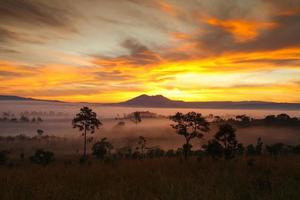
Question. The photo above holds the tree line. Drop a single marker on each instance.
(224, 144)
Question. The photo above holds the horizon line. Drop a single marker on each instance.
(63, 101)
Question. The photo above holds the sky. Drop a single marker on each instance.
(111, 51)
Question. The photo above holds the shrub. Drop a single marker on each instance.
(275, 149)
(102, 148)
(296, 149)
(42, 157)
(155, 152)
(213, 149)
(170, 153)
(3, 157)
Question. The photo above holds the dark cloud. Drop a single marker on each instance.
(8, 51)
(278, 62)
(9, 74)
(284, 5)
(215, 40)
(228, 9)
(6, 34)
(36, 13)
(285, 34)
(139, 55)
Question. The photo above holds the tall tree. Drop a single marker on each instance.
(86, 121)
(190, 125)
(227, 138)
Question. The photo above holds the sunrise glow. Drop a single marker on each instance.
(192, 52)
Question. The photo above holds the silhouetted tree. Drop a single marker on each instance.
(283, 117)
(155, 152)
(136, 117)
(39, 119)
(33, 120)
(190, 125)
(24, 119)
(22, 156)
(102, 148)
(39, 132)
(244, 120)
(125, 152)
(170, 153)
(42, 157)
(141, 145)
(252, 150)
(213, 149)
(86, 121)
(275, 149)
(259, 146)
(227, 138)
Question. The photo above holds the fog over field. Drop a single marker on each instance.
(158, 132)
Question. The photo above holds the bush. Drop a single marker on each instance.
(275, 149)
(3, 157)
(252, 150)
(102, 148)
(296, 149)
(170, 153)
(213, 149)
(42, 157)
(155, 152)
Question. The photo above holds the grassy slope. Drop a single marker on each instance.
(165, 178)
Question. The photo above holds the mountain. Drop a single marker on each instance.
(14, 98)
(18, 98)
(160, 101)
(150, 101)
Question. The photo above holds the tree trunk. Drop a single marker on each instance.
(185, 154)
(84, 145)
(185, 149)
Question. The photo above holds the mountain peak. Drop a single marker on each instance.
(150, 96)
(147, 100)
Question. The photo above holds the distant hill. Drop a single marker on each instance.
(18, 98)
(150, 101)
(163, 102)
(159, 101)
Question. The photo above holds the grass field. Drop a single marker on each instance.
(165, 178)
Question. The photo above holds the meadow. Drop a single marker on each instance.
(159, 178)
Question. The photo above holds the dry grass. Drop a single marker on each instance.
(166, 178)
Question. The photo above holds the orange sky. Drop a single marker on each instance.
(195, 51)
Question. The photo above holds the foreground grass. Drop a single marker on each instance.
(165, 178)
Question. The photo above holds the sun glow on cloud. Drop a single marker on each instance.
(152, 47)
(241, 29)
